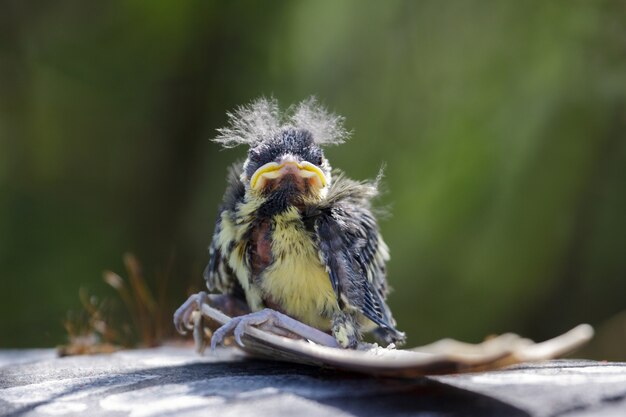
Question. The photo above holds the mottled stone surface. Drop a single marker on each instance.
(553, 388)
(175, 381)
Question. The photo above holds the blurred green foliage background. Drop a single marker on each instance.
(502, 125)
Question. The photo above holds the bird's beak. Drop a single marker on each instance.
(288, 165)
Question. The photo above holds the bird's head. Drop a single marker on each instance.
(289, 162)
(285, 157)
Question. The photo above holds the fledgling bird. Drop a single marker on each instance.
(294, 240)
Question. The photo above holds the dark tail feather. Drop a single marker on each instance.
(389, 335)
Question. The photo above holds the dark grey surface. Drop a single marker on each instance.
(175, 381)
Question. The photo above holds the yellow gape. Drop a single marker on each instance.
(272, 170)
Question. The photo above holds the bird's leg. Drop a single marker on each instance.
(272, 320)
(346, 330)
(189, 315)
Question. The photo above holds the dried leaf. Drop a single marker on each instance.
(444, 356)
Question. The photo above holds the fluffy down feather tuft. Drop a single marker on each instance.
(262, 121)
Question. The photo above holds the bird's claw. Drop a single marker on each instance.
(237, 326)
(189, 317)
(184, 317)
(274, 322)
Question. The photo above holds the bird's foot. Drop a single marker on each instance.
(273, 321)
(183, 320)
(189, 315)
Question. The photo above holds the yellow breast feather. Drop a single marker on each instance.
(296, 280)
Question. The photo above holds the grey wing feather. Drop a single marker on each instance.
(353, 251)
(349, 248)
(218, 274)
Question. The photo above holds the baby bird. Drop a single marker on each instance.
(295, 243)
